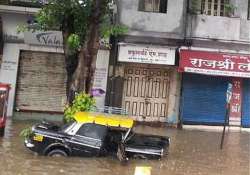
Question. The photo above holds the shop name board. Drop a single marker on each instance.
(146, 54)
(49, 38)
(212, 63)
(9, 65)
(12, 38)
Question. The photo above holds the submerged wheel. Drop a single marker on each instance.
(121, 155)
(57, 153)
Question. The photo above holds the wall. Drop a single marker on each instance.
(174, 96)
(8, 71)
(235, 28)
(168, 24)
(10, 23)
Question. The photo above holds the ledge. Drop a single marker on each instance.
(18, 10)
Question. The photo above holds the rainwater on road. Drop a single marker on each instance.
(191, 153)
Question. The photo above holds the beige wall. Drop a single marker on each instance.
(163, 25)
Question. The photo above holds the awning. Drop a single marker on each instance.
(214, 63)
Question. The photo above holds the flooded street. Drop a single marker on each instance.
(191, 152)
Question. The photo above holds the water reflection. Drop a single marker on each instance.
(191, 152)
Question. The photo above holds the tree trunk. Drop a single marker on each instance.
(79, 77)
(98, 10)
(84, 74)
(71, 59)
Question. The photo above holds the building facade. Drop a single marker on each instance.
(143, 73)
(153, 89)
(173, 65)
(216, 53)
(33, 63)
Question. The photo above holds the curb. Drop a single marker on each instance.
(215, 128)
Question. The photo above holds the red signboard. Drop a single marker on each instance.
(235, 103)
(215, 63)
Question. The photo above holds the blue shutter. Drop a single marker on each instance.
(246, 104)
(203, 99)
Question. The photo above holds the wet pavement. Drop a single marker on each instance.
(191, 153)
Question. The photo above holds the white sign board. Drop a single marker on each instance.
(46, 38)
(146, 54)
(100, 80)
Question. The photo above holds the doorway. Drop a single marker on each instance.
(146, 91)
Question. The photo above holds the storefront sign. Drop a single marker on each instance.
(146, 54)
(8, 38)
(48, 38)
(235, 102)
(213, 63)
(100, 80)
(8, 65)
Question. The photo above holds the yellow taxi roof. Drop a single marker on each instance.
(104, 119)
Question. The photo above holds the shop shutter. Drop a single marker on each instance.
(246, 104)
(41, 84)
(203, 99)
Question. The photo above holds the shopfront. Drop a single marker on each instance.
(150, 80)
(205, 79)
(34, 65)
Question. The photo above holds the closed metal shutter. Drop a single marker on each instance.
(41, 84)
(246, 104)
(203, 99)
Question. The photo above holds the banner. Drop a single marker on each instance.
(214, 63)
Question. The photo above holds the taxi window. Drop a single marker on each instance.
(92, 130)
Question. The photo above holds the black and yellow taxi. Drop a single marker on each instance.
(95, 134)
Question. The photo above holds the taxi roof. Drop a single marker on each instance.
(104, 119)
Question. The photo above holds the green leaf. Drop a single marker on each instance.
(82, 102)
(26, 133)
(74, 41)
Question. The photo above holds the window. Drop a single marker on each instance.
(215, 7)
(158, 6)
(92, 130)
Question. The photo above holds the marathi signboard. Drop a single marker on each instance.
(48, 38)
(235, 102)
(146, 54)
(214, 63)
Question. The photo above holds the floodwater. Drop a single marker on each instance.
(191, 153)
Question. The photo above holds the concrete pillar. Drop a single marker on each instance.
(8, 71)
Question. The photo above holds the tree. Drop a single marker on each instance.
(83, 23)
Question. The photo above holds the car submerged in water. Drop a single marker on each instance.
(96, 134)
